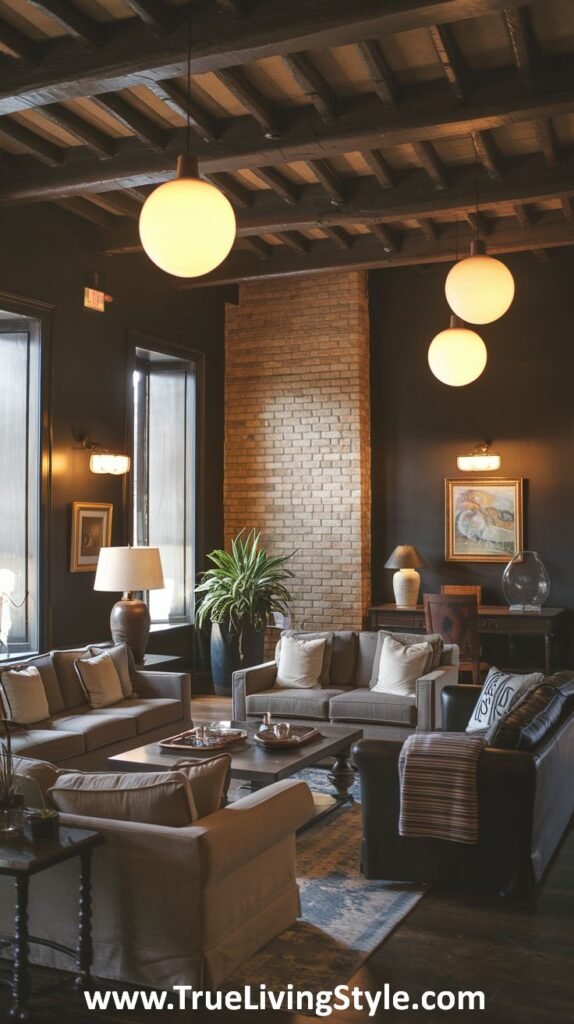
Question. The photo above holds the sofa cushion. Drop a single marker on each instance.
(45, 666)
(369, 706)
(48, 743)
(366, 657)
(300, 635)
(148, 713)
(497, 694)
(343, 659)
(291, 703)
(533, 711)
(154, 798)
(100, 680)
(70, 686)
(97, 730)
(300, 663)
(435, 642)
(23, 695)
(121, 657)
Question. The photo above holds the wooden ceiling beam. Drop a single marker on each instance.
(428, 228)
(313, 85)
(294, 241)
(380, 73)
(234, 190)
(235, 8)
(523, 214)
(73, 20)
(19, 44)
(287, 190)
(381, 168)
(542, 255)
(33, 143)
(203, 123)
(432, 164)
(567, 204)
(100, 143)
(386, 237)
(340, 237)
(236, 81)
(367, 253)
(133, 56)
(154, 14)
(487, 154)
(517, 19)
(83, 208)
(413, 199)
(330, 181)
(146, 130)
(547, 141)
(480, 225)
(257, 246)
(119, 203)
(450, 59)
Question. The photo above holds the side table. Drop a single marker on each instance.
(20, 858)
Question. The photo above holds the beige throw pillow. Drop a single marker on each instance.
(300, 663)
(120, 656)
(400, 667)
(209, 781)
(154, 798)
(24, 697)
(100, 680)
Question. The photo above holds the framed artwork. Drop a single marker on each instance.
(483, 519)
(91, 530)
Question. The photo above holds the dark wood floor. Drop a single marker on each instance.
(519, 952)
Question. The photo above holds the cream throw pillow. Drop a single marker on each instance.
(24, 696)
(155, 798)
(400, 667)
(300, 663)
(100, 680)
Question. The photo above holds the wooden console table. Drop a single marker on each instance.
(497, 619)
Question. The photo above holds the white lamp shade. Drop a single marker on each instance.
(125, 569)
(457, 356)
(187, 227)
(107, 462)
(479, 289)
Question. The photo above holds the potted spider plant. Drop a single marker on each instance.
(10, 800)
(238, 594)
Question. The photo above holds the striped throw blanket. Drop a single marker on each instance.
(439, 797)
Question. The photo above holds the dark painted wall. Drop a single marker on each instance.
(523, 401)
(44, 256)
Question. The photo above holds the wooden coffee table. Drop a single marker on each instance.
(259, 766)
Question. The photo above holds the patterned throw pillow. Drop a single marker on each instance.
(532, 714)
(496, 696)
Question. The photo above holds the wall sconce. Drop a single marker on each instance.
(103, 461)
(480, 460)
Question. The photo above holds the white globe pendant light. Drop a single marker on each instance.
(187, 226)
(479, 289)
(457, 356)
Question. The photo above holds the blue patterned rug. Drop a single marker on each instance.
(344, 916)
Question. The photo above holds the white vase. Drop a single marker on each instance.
(406, 585)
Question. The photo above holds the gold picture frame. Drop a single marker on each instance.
(91, 530)
(483, 519)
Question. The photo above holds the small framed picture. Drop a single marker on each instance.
(483, 520)
(91, 530)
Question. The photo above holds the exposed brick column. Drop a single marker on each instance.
(297, 436)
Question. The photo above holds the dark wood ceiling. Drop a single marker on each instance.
(344, 132)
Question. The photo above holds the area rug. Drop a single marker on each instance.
(344, 916)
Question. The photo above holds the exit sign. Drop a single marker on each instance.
(95, 299)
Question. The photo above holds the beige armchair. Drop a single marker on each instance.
(177, 906)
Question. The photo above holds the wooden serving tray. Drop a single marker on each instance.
(300, 734)
(192, 740)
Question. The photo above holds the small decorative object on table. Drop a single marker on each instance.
(215, 736)
(285, 735)
(525, 582)
(10, 800)
(267, 722)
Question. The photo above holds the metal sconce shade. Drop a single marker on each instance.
(480, 460)
(107, 462)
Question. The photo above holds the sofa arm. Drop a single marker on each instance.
(458, 703)
(173, 685)
(428, 696)
(251, 680)
(239, 832)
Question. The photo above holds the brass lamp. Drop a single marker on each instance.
(406, 581)
(127, 570)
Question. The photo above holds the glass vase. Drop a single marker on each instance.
(11, 822)
(525, 582)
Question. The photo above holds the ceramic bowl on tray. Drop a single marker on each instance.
(296, 735)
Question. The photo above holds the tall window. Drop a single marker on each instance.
(164, 476)
(20, 454)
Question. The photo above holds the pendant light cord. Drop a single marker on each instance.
(188, 111)
(476, 189)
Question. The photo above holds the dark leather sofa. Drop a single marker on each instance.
(526, 801)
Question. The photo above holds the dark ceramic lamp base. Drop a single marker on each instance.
(129, 623)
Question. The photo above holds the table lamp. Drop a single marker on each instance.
(126, 570)
(407, 581)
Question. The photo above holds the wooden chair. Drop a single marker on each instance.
(455, 618)
(449, 588)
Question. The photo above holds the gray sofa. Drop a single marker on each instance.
(79, 737)
(345, 697)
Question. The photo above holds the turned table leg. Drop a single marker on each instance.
(342, 775)
(20, 975)
(85, 949)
